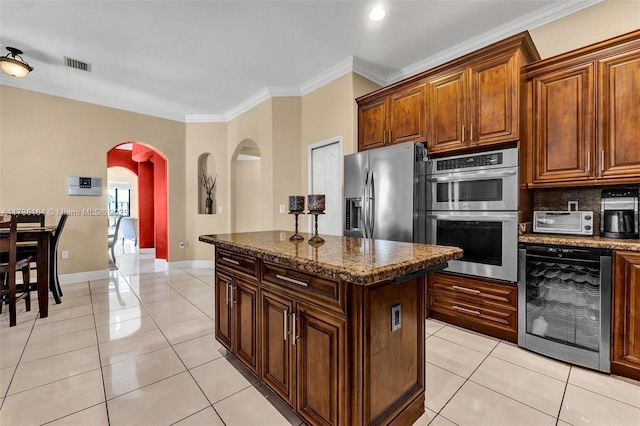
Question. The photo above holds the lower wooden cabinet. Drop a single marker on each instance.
(303, 349)
(625, 338)
(486, 306)
(236, 317)
(336, 352)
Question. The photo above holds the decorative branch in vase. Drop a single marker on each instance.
(209, 184)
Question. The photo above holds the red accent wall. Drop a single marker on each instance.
(160, 192)
(151, 168)
(146, 192)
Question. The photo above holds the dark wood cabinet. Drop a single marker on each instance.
(465, 104)
(395, 118)
(483, 305)
(625, 338)
(236, 317)
(477, 105)
(584, 115)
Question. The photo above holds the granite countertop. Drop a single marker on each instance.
(581, 241)
(351, 259)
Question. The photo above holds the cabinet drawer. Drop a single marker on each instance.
(312, 288)
(474, 290)
(476, 304)
(237, 262)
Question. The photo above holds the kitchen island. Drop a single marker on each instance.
(335, 329)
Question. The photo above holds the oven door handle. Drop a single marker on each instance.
(460, 177)
(491, 218)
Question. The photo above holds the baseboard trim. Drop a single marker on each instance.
(159, 263)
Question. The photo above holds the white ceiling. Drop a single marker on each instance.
(212, 60)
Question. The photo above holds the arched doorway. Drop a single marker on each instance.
(246, 184)
(150, 167)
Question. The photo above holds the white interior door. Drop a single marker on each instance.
(325, 177)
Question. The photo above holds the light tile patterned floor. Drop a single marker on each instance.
(138, 348)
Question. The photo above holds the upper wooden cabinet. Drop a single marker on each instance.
(585, 112)
(395, 118)
(467, 103)
(476, 105)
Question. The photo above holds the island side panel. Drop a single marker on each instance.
(388, 378)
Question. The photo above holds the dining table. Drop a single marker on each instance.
(41, 236)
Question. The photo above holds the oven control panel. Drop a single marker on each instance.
(470, 161)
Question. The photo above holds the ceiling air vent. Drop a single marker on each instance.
(77, 64)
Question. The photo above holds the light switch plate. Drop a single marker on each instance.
(396, 317)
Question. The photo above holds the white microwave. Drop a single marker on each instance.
(573, 223)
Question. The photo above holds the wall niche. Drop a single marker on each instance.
(206, 177)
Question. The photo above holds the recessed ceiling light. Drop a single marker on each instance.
(377, 14)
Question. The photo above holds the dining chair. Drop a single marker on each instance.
(32, 251)
(113, 238)
(8, 289)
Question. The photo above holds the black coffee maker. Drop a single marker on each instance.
(619, 213)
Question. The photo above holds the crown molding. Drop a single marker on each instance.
(35, 86)
(550, 13)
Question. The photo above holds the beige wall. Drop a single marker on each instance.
(56, 138)
(202, 138)
(603, 21)
(44, 139)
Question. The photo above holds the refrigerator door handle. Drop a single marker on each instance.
(372, 205)
(365, 212)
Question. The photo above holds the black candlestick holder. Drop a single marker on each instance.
(316, 239)
(296, 236)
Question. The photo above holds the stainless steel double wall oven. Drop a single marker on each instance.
(473, 204)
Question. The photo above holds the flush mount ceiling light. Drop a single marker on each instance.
(377, 14)
(12, 66)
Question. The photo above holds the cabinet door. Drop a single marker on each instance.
(224, 326)
(407, 120)
(493, 101)
(563, 120)
(277, 354)
(372, 124)
(447, 112)
(245, 306)
(619, 115)
(320, 358)
(625, 354)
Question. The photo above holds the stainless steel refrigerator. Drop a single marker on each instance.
(385, 193)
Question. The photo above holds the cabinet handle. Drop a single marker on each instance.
(588, 162)
(463, 133)
(295, 336)
(235, 262)
(227, 289)
(234, 294)
(285, 321)
(602, 161)
(466, 311)
(471, 133)
(466, 290)
(292, 280)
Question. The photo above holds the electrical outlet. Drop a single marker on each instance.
(283, 208)
(572, 206)
(396, 317)
(65, 254)
(220, 209)
(181, 244)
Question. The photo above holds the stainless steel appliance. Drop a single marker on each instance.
(619, 213)
(575, 223)
(385, 193)
(473, 204)
(564, 303)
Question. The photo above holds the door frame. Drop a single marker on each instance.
(310, 148)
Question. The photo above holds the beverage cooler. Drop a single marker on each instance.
(564, 298)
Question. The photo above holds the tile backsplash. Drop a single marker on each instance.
(588, 198)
